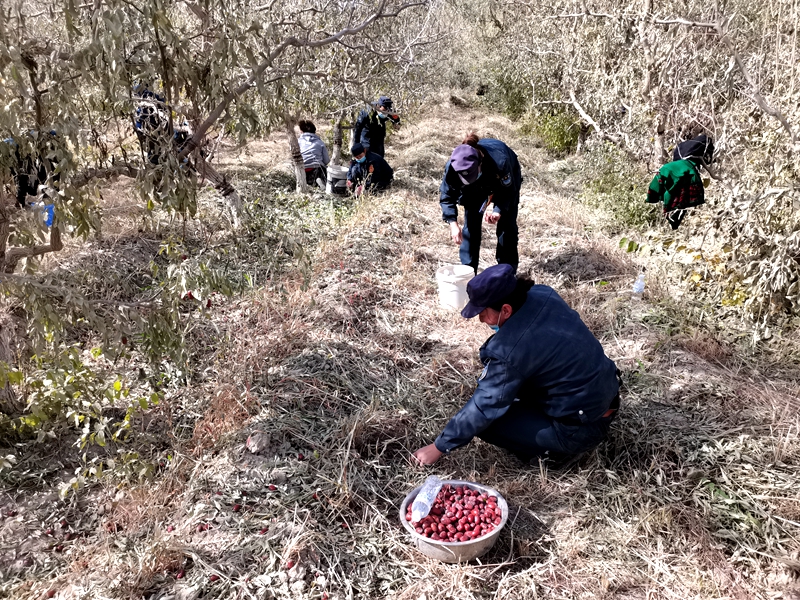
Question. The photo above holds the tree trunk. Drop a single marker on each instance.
(659, 153)
(222, 185)
(337, 143)
(10, 403)
(4, 230)
(583, 133)
(9, 257)
(352, 134)
(297, 158)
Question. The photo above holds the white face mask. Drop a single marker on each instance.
(464, 181)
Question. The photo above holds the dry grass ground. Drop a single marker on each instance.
(694, 495)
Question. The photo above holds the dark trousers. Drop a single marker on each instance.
(316, 173)
(22, 189)
(28, 176)
(529, 433)
(507, 236)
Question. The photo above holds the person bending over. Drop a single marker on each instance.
(547, 388)
(482, 172)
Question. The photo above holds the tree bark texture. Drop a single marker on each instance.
(297, 158)
(659, 151)
(336, 159)
(10, 402)
(9, 257)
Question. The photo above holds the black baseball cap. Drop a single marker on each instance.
(488, 288)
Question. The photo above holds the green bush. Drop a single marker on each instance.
(558, 129)
(508, 92)
(618, 187)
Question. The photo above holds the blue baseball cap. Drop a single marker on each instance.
(384, 101)
(466, 162)
(488, 288)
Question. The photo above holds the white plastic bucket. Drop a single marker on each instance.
(452, 281)
(337, 180)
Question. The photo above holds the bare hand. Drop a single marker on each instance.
(455, 233)
(491, 217)
(427, 455)
(349, 184)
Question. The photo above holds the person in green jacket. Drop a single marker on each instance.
(678, 185)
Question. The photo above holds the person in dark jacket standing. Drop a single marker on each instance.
(370, 128)
(368, 171)
(480, 173)
(547, 387)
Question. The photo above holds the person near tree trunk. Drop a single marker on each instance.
(370, 127)
(31, 172)
(678, 186)
(368, 171)
(315, 154)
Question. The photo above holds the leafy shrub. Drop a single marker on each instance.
(556, 127)
(618, 187)
(508, 92)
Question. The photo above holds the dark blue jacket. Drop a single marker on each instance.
(501, 177)
(30, 171)
(370, 130)
(544, 355)
(381, 176)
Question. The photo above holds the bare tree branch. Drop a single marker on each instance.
(673, 21)
(760, 100)
(14, 255)
(585, 116)
(200, 133)
(680, 21)
(91, 174)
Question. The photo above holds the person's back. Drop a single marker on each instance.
(547, 387)
(313, 150)
(563, 366)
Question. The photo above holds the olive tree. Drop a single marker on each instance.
(71, 79)
(643, 76)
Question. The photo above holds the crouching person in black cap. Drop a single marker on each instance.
(368, 172)
(547, 388)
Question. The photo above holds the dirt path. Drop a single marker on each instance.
(340, 372)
